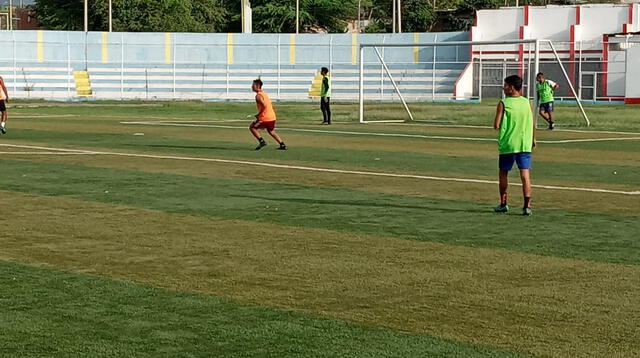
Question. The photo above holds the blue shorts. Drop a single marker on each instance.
(546, 107)
(522, 159)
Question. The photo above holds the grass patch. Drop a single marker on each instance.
(88, 316)
(599, 237)
(539, 305)
(271, 250)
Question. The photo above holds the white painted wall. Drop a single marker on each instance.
(600, 19)
(496, 25)
(636, 17)
(552, 23)
(633, 73)
(500, 24)
(464, 84)
(616, 76)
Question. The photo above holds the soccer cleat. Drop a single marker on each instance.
(527, 211)
(501, 208)
(260, 145)
(4, 131)
(282, 147)
(552, 125)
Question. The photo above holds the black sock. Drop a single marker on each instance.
(527, 200)
(261, 140)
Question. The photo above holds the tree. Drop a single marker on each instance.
(463, 16)
(417, 16)
(135, 15)
(60, 14)
(280, 15)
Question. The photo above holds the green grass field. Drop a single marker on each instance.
(135, 229)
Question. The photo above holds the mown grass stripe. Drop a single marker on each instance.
(314, 169)
(477, 193)
(48, 312)
(599, 237)
(204, 124)
(559, 154)
(517, 302)
(370, 159)
(603, 118)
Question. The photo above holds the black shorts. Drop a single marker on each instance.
(2, 106)
(546, 107)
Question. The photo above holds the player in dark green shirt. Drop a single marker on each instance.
(516, 139)
(325, 96)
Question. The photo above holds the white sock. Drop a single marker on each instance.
(2, 124)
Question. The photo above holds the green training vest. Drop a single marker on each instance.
(326, 90)
(545, 92)
(516, 128)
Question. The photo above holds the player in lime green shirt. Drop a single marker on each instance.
(516, 139)
(546, 89)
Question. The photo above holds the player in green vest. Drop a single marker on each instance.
(545, 89)
(516, 139)
(325, 96)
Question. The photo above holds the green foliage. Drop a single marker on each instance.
(269, 16)
(315, 15)
(463, 16)
(60, 14)
(376, 27)
(418, 16)
(135, 15)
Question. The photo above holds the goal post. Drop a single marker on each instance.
(426, 74)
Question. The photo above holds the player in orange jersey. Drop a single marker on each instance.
(266, 117)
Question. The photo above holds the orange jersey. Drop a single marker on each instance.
(266, 113)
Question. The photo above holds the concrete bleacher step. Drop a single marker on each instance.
(83, 84)
(415, 82)
(316, 86)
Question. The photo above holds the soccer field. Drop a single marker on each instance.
(154, 229)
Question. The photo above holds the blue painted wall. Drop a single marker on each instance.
(60, 48)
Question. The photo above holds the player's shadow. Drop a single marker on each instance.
(182, 147)
(434, 207)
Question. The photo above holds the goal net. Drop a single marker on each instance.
(462, 78)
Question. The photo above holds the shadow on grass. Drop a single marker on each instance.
(365, 203)
(184, 147)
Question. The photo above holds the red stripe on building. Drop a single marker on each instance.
(631, 13)
(521, 52)
(526, 15)
(632, 100)
(578, 14)
(605, 64)
(572, 54)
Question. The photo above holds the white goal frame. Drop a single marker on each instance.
(536, 57)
